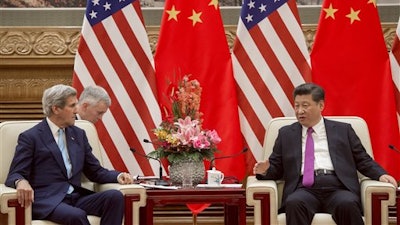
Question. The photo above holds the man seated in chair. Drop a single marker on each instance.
(48, 164)
(327, 181)
(93, 102)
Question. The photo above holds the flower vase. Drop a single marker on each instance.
(178, 170)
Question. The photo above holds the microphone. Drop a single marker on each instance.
(160, 181)
(147, 141)
(394, 148)
(244, 150)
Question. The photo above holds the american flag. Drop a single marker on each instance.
(394, 56)
(270, 58)
(114, 53)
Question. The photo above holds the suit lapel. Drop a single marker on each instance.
(297, 129)
(331, 131)
(71, 145)
(51, 144)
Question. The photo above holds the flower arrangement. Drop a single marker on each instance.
(180, 136)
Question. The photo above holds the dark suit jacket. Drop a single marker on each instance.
(345, 148)
(38, 159)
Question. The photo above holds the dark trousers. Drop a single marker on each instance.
(327, 195)
(109, 205)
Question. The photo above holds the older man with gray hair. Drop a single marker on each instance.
(93, 102)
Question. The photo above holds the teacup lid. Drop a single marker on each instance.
(213, 170)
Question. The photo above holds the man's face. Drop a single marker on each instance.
(65, 117)
(308, 112)
(93, 113)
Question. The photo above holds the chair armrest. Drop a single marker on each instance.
(9, 205)
(135, 197)
(376, 196)
(263, 195)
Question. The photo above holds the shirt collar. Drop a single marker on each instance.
(53, 127)
(318, 128)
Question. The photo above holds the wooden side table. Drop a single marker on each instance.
(398, 207)
(233, 199)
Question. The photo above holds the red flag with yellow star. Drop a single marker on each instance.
(192, 42)
(350, 61)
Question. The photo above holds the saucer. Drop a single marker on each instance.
(210, 186)
(220, 186)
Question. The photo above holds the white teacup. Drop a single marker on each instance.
(214, 177)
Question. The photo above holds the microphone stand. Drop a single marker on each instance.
(160, 181)
(227, 156)
(394, 148)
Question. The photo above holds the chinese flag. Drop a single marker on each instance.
(350, 61)
(192, 42)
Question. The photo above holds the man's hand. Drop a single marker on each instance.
(261, 167)
(25, 193)
(125, 178)
(388, 179)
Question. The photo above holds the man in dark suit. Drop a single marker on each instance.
(333, 185)
(48, 164)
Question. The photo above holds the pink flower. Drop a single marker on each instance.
(188, 129)
(213, 136)
(201, 142)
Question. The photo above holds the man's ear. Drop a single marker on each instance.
(322, 104)
(85, 105)
(55, 109)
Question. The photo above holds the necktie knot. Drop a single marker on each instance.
(310, 130)
(61, 143)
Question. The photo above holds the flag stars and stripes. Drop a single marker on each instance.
(93, 14)
(255, 11)
(114, 53)
(269, 58)
(249, 18)
(101, 9)
(107, 6)
(262, 8)
(251, 4)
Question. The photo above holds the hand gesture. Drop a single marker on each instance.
(261, 167)
(125, 178)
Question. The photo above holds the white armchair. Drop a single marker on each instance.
(266, 195)
(135, 195)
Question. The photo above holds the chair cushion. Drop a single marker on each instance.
(92, 220)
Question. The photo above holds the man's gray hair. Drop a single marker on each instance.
(56, 95)
(93, 95)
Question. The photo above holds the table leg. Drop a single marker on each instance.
(235, 214)
(398, 209)
(146, 213)
(242, 211)
(229, 214)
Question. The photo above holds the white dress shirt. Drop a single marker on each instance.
(321, 150)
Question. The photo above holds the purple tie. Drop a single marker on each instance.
(308, 174)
